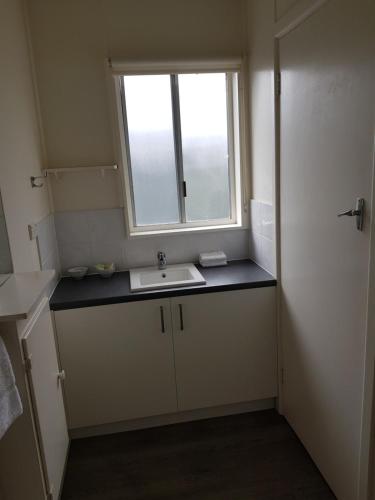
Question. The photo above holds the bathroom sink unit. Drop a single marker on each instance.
(152, 278)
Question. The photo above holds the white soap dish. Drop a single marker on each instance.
(78, 273)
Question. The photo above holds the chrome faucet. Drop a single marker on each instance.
(162, 260)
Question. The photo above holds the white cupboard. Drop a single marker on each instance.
(225, 347)
(147, 358)
(44, 380)
(34, 450)
(118, 361)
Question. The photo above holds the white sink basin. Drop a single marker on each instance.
(151, 278)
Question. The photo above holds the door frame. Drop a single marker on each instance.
(293, 18)
(366, 487)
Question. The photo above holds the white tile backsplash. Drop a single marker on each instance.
(106, 225)
(256, 217)
(256, 247)
(262, 235)
(74, 254)
(268, 255)
(51, 262)
(72, 227)
(267, 221)
(46, 235)
(48, 248)
(186, 247)
(92, 236)
(108, 251)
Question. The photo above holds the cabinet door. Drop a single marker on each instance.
(118, 362)
(46, 395)
(225, 347)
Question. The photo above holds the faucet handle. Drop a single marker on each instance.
(162, 260)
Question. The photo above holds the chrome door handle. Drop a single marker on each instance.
(350, 213)
(358, 212)
(162, 319)
(181, 317)
(61, 375)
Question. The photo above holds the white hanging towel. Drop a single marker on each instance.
(10, 401)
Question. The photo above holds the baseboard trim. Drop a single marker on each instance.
(172, 418)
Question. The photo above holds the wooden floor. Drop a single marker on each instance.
(254, 456)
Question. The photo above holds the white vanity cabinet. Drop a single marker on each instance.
(118, 361)
(225, 347)
(147, 358)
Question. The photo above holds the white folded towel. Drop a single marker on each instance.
(10, 401)
(212, 259)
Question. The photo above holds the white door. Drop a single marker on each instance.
(118, 361)
(45, 387)
(327, 135)
(225, 347)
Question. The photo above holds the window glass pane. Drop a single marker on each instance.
(151, 144)
(203, 108)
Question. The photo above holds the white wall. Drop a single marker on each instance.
(261, 97)
(283, 6)
(262, 235)
(261, 19)
(71, 41)
(20, 145)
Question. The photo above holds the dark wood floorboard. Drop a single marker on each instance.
(254, 456)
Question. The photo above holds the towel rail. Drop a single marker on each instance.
(71, 170)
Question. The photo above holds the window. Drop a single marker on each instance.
(180, 142)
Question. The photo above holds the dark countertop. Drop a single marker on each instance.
(94, 290)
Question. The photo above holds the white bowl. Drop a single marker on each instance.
(77, 272)
(105, 270)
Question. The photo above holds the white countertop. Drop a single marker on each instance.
(20, 292)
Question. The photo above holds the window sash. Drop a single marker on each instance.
(231, 81)
(165, 67)
(179, 162)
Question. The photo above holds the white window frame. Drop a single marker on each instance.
(236, 144)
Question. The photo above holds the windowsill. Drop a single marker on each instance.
(186, 230)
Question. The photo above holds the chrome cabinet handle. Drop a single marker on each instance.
(181, 317)
(357, 212)
(162, 319)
